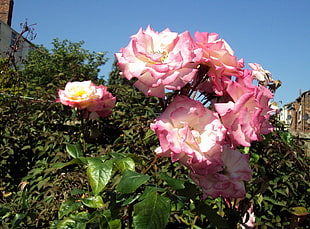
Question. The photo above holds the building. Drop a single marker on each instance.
(11, 42)
(296, 117)
(6, 11)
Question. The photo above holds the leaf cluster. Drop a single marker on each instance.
(281, 181)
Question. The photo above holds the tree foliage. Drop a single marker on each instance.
(66, 61)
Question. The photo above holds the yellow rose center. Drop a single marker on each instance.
(79, 92)
(164, 55)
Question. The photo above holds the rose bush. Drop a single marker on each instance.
(188, 131)
(86, 95)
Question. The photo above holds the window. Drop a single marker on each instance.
(13, 38)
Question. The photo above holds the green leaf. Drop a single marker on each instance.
(275, 202)
(190, 191)
(5, 211)
(99, 173)
(75, 221)
(130, 181)
(287, 137)
(68, 207)
(131, 199)
(93, 202)
(67, 224)
(125, 163)
(81, 216)
(18, 218)
(174, 183)
(213, 217)
(107, 221)
(152, 212)
(75, 150)
(80, 160)
(43, 183)
(254, 157)
(77, 191)
(299, 211)
(26, 147)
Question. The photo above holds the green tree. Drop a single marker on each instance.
(8, 77)
(115, 77)
(67, 61)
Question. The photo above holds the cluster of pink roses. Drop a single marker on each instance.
(96, 100)
(204, 139)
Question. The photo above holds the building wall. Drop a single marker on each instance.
(8, 37)
(285, 115)
(297, 117)
(6, 10)
(301, 123)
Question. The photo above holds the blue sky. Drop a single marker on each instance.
(273, 33)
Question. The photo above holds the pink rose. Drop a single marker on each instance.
(190, 133)
(249, 218)
(219, 57)
(159, 61)
(260, 74)
(86, 95)
(246, 116)
(228, 180)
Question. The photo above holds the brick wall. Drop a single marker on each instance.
(6, 10)
(300, 114)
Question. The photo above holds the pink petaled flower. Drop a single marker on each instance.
(260, 74)
(249, 218)
(228, 180)
(86, 95)
(246, 116)
(159, 61)
(190, 133)
(219, 57)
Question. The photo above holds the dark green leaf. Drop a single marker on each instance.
(68, 207)
(131, 199)
(190, 191)
(174, 183)
(109, 221)
(213, 217)
(18, 218)
(80, 160)
(287, 137)
(75, 150)
(152, 212)
(77, 191)
(130, 181)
